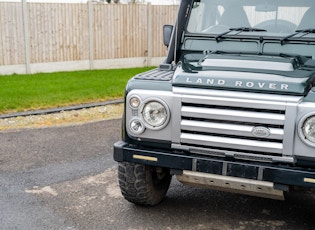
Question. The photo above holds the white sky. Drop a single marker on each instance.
(155, 2)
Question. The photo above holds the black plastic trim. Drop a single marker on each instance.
(284, 175)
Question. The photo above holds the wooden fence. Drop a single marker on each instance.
(47, 37)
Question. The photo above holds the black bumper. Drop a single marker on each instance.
(280, 175)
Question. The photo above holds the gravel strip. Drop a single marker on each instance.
(63, 118)
(60, 109)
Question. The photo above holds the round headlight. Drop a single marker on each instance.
(308, 129)
(155, 114)
(136, 126)
(134, 102)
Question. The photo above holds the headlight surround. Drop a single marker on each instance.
(307, 129)
(155, 114)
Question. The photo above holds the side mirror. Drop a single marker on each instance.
(167, 33)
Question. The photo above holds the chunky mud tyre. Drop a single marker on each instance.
(142, 184)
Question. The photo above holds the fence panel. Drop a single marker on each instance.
(120, 31)
(80, 32)
(58, 32)
(161, 15)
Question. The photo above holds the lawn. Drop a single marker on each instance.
(48, 90)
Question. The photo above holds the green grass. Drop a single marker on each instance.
(48, 90)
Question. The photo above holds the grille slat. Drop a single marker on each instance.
(231, 143)
(233, 115)
(227, 129)
(235, 102)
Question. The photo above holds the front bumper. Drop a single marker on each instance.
(281, 176)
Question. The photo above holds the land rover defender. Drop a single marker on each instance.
(231, 108)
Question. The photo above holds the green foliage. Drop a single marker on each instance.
(47, 90)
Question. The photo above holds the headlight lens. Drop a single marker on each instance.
(136, 126)
(308, 129)
(155, 114)
(134, 102)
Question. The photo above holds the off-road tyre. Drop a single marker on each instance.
(142, 184)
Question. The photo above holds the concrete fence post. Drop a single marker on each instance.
(149, 20)
(91, 34)
(26, 37)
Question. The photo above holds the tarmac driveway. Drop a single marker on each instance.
(65, 178)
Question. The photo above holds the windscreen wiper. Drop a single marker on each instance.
(240, 29)
(306, 31)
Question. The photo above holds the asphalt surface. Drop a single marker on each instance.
(65, 178)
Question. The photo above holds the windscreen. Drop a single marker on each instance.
(273, 18)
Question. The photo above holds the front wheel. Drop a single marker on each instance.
(143, 184)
